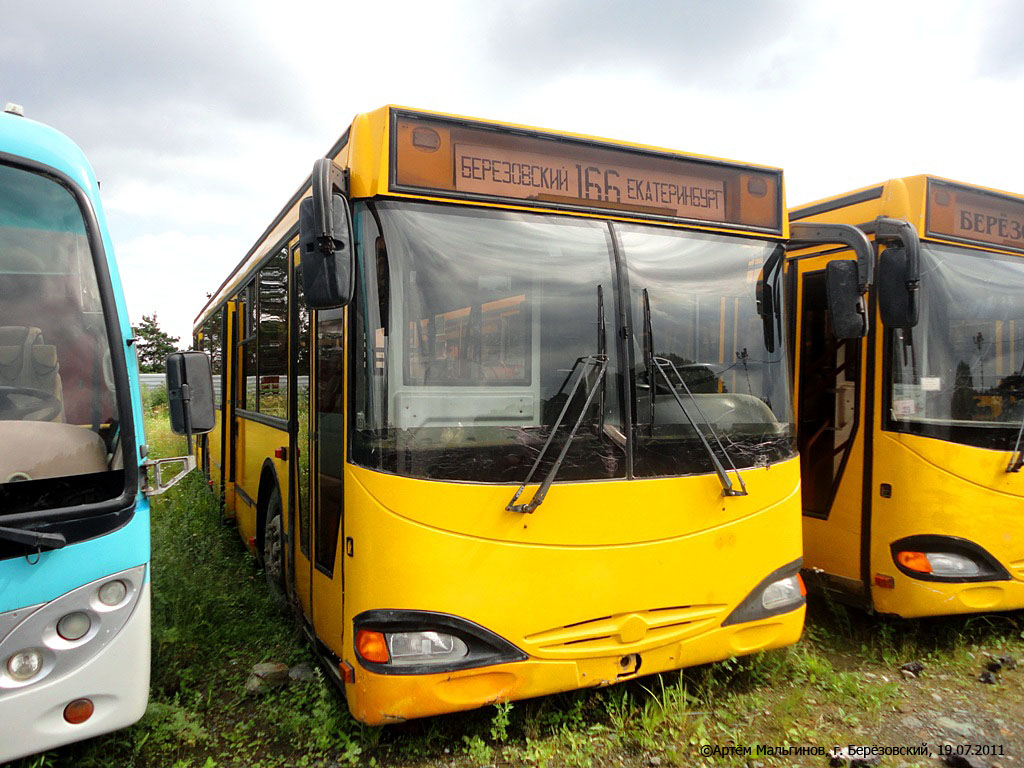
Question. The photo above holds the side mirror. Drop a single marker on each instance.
(325, 238)
(897, 301)
(190, 393)
(845, 307)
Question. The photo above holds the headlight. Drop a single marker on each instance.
(780, 592)
(113, 592)
(404, 642)
(74, 626)
(945, 558)
(947, 564)
(25, 665)
(424, 647)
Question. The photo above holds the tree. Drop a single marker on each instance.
(153, 344)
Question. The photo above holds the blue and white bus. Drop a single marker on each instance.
(74, 518)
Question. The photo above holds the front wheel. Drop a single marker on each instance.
(273, 549)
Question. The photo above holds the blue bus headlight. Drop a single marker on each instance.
(113, 592)
(74, 626)
(424, 647)
(25, 665)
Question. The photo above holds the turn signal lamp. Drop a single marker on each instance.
(372, 646)
(915, 561)
(78, 711)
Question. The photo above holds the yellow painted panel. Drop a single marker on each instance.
(531, 591)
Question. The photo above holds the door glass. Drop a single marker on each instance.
(829, 380)
(330, 399)
(302, 444)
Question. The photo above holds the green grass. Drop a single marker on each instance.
(213, 620)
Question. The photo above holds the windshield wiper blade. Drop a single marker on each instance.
(36, 539)
(728, 489)
(581, 367)
(661, 363)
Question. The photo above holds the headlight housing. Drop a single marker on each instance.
(423, 642)
(931, 557)
(781, 591)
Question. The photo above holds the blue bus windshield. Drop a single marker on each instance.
(59, 423)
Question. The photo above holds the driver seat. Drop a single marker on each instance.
(26, 360)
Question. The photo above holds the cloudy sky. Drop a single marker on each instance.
(202, 118)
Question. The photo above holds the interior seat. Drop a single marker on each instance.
(26, 360)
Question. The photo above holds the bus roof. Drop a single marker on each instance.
(369, 131)
(938, 208)
(26, 139)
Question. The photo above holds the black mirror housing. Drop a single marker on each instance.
(328, 263)
(190, 393)
(897, 301)
(325, 238)
(845, 306)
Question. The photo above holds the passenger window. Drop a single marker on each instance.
(273, 336)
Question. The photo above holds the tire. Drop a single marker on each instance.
(273, 549)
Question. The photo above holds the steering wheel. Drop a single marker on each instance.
(44, 401)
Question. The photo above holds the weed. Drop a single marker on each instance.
(479, 752)
(500, 721)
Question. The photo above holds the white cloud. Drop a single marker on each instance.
(201, 119)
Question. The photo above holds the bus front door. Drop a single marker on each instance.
(829, 399)
(328, 511)
(300, 525)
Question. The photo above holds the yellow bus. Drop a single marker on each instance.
(911, 439)
(506, 412)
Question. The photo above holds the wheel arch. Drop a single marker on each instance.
(268, 484)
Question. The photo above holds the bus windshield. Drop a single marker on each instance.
(59, 430)
(470, 321)
(957, 375)
(704, 319)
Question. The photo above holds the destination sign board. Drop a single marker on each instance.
(958, 212)
(463, 159)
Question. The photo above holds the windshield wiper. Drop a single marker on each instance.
(662, 364)
(35, 539)
(581, 367)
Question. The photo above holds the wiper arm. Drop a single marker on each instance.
(580, 367)
(36, 539)
(728, 489)
(661, 363)
(1017, 459)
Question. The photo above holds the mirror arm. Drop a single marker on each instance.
(808, 234)
(328, 178)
